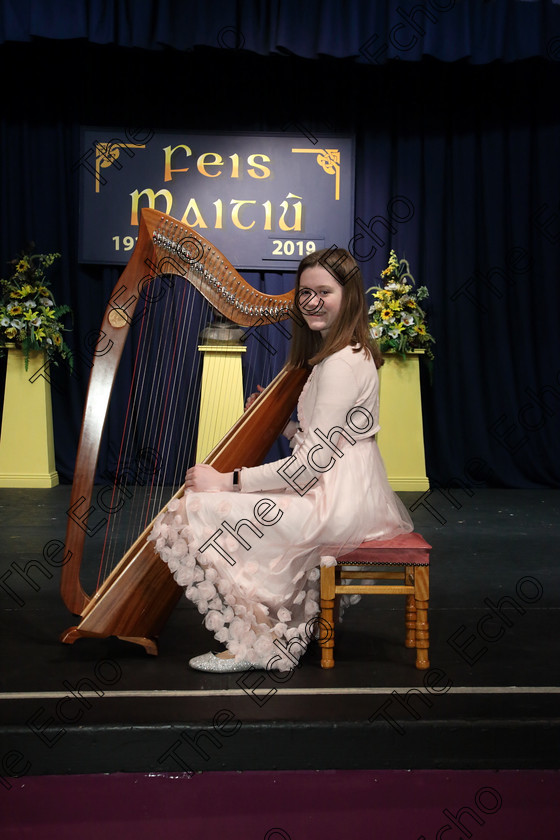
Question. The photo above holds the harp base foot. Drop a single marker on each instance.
(74, 633)
(149, 644)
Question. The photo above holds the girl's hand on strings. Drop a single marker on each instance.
(202, 478)
(250, 400)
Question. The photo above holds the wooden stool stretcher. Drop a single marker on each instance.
(409, 551)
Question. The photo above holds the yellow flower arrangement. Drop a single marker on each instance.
(398, 323)
(29, 316)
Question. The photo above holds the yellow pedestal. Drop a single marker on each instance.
(221, 397)
(401, 439)
(26, 441)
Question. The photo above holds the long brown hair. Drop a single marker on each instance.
(351, 326)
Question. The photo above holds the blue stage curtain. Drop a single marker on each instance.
(472, 149)
(480, 31)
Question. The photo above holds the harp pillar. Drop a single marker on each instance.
(401, 438)
(221, 395)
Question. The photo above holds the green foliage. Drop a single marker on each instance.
(29, 316)
(398, 323)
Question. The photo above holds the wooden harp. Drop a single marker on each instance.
(138, 595)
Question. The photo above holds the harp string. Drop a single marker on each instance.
(190, 418)
(165, 407)
(163, 404)
(121, 484)
(176, 433)
(121, 471)
(118, 477)
(159, 432)
(161, 414)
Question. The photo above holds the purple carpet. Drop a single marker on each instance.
(288, 805)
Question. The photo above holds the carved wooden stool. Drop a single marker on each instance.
(409, 551)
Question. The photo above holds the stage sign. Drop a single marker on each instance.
(264, 200)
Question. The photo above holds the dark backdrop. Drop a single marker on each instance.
(464, 122)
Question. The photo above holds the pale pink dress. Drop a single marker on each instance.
(249, 560)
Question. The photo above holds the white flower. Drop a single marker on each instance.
(214, 621)
(207, 590)
(5, 322)
(224, 586)
(231, 544)
(407, 319)
(179, 548)
(182, 576)
(310, 608)
(238, 650)
(264, 646)
(215, 603)
(376, 331)
(237, 628)
(228, 614)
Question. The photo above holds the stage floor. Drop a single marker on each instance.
(489, 700)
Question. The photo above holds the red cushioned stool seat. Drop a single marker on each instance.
(409, 551)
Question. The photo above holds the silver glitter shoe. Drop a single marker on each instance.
(212, 664)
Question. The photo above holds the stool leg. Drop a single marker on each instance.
(410, 610)
(421, 595)
(326, 629)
